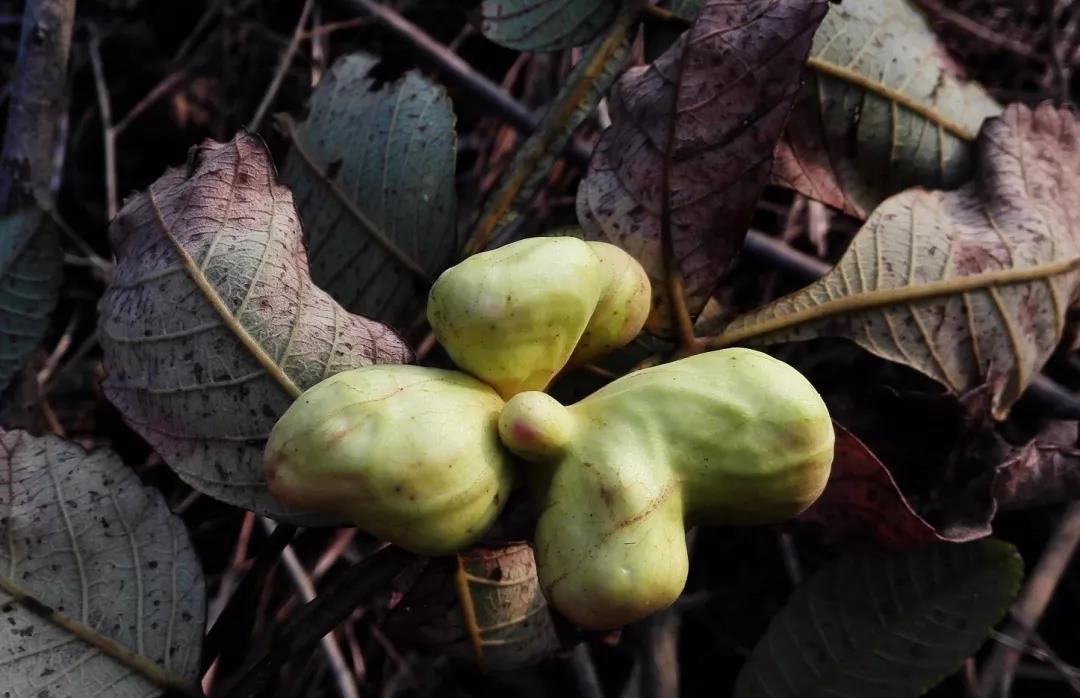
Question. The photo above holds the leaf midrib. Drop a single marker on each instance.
(865, 82)
(216, 302)
(878, 298)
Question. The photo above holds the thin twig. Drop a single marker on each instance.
(1026, 613)
(282, 69)
(452, 64)
(103, 266)
(37, 103)
(1059, 64)
(164, 86)
(58, 351)
(984, 34)
(108, 136)
(331, 27)
(306, 589)
(318, 617)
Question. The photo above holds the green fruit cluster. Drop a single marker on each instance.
(426, 458)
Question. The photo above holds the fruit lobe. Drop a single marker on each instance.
(512, 316)
(732, 436)
(407, 453)
(623, 306)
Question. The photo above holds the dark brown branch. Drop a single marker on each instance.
(37, 102)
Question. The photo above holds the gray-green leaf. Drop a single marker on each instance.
(30, 271)
(211, 325)
(545, 25)
(85, 538)
(891, 626)
(882, 110)
(372, 171)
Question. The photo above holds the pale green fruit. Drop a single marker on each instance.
(513, 316)
(732, 437)
(407, 453)
(623, 306)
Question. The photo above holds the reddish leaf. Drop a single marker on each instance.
(862, 502)
(691, 141)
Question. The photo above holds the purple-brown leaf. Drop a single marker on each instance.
(691, 141)
(212, 326)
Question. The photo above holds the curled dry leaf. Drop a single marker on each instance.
(968, 287)
(885, 625)
(485, 605)
(545, 25)
(882, 110)
(689, 149)
(104, 554)
(30, 270)
(211, 325)
(372, 173)
(1044, 471)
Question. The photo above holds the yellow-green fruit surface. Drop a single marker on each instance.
(623, 306)
(407, 453)
(732, 436)
(513, 316)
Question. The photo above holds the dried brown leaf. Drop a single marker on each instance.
(691, 141)
(1044, 471)
(211, 325)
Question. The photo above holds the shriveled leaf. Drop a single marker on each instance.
(486, 605)
(968, 287)
(882, 110)
(372, 172)
(690, 146)
(862, 503)
(85, 538)
(30, 269)
(890, 626)
(545, 25)
(1044, 471)
(211, 325)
